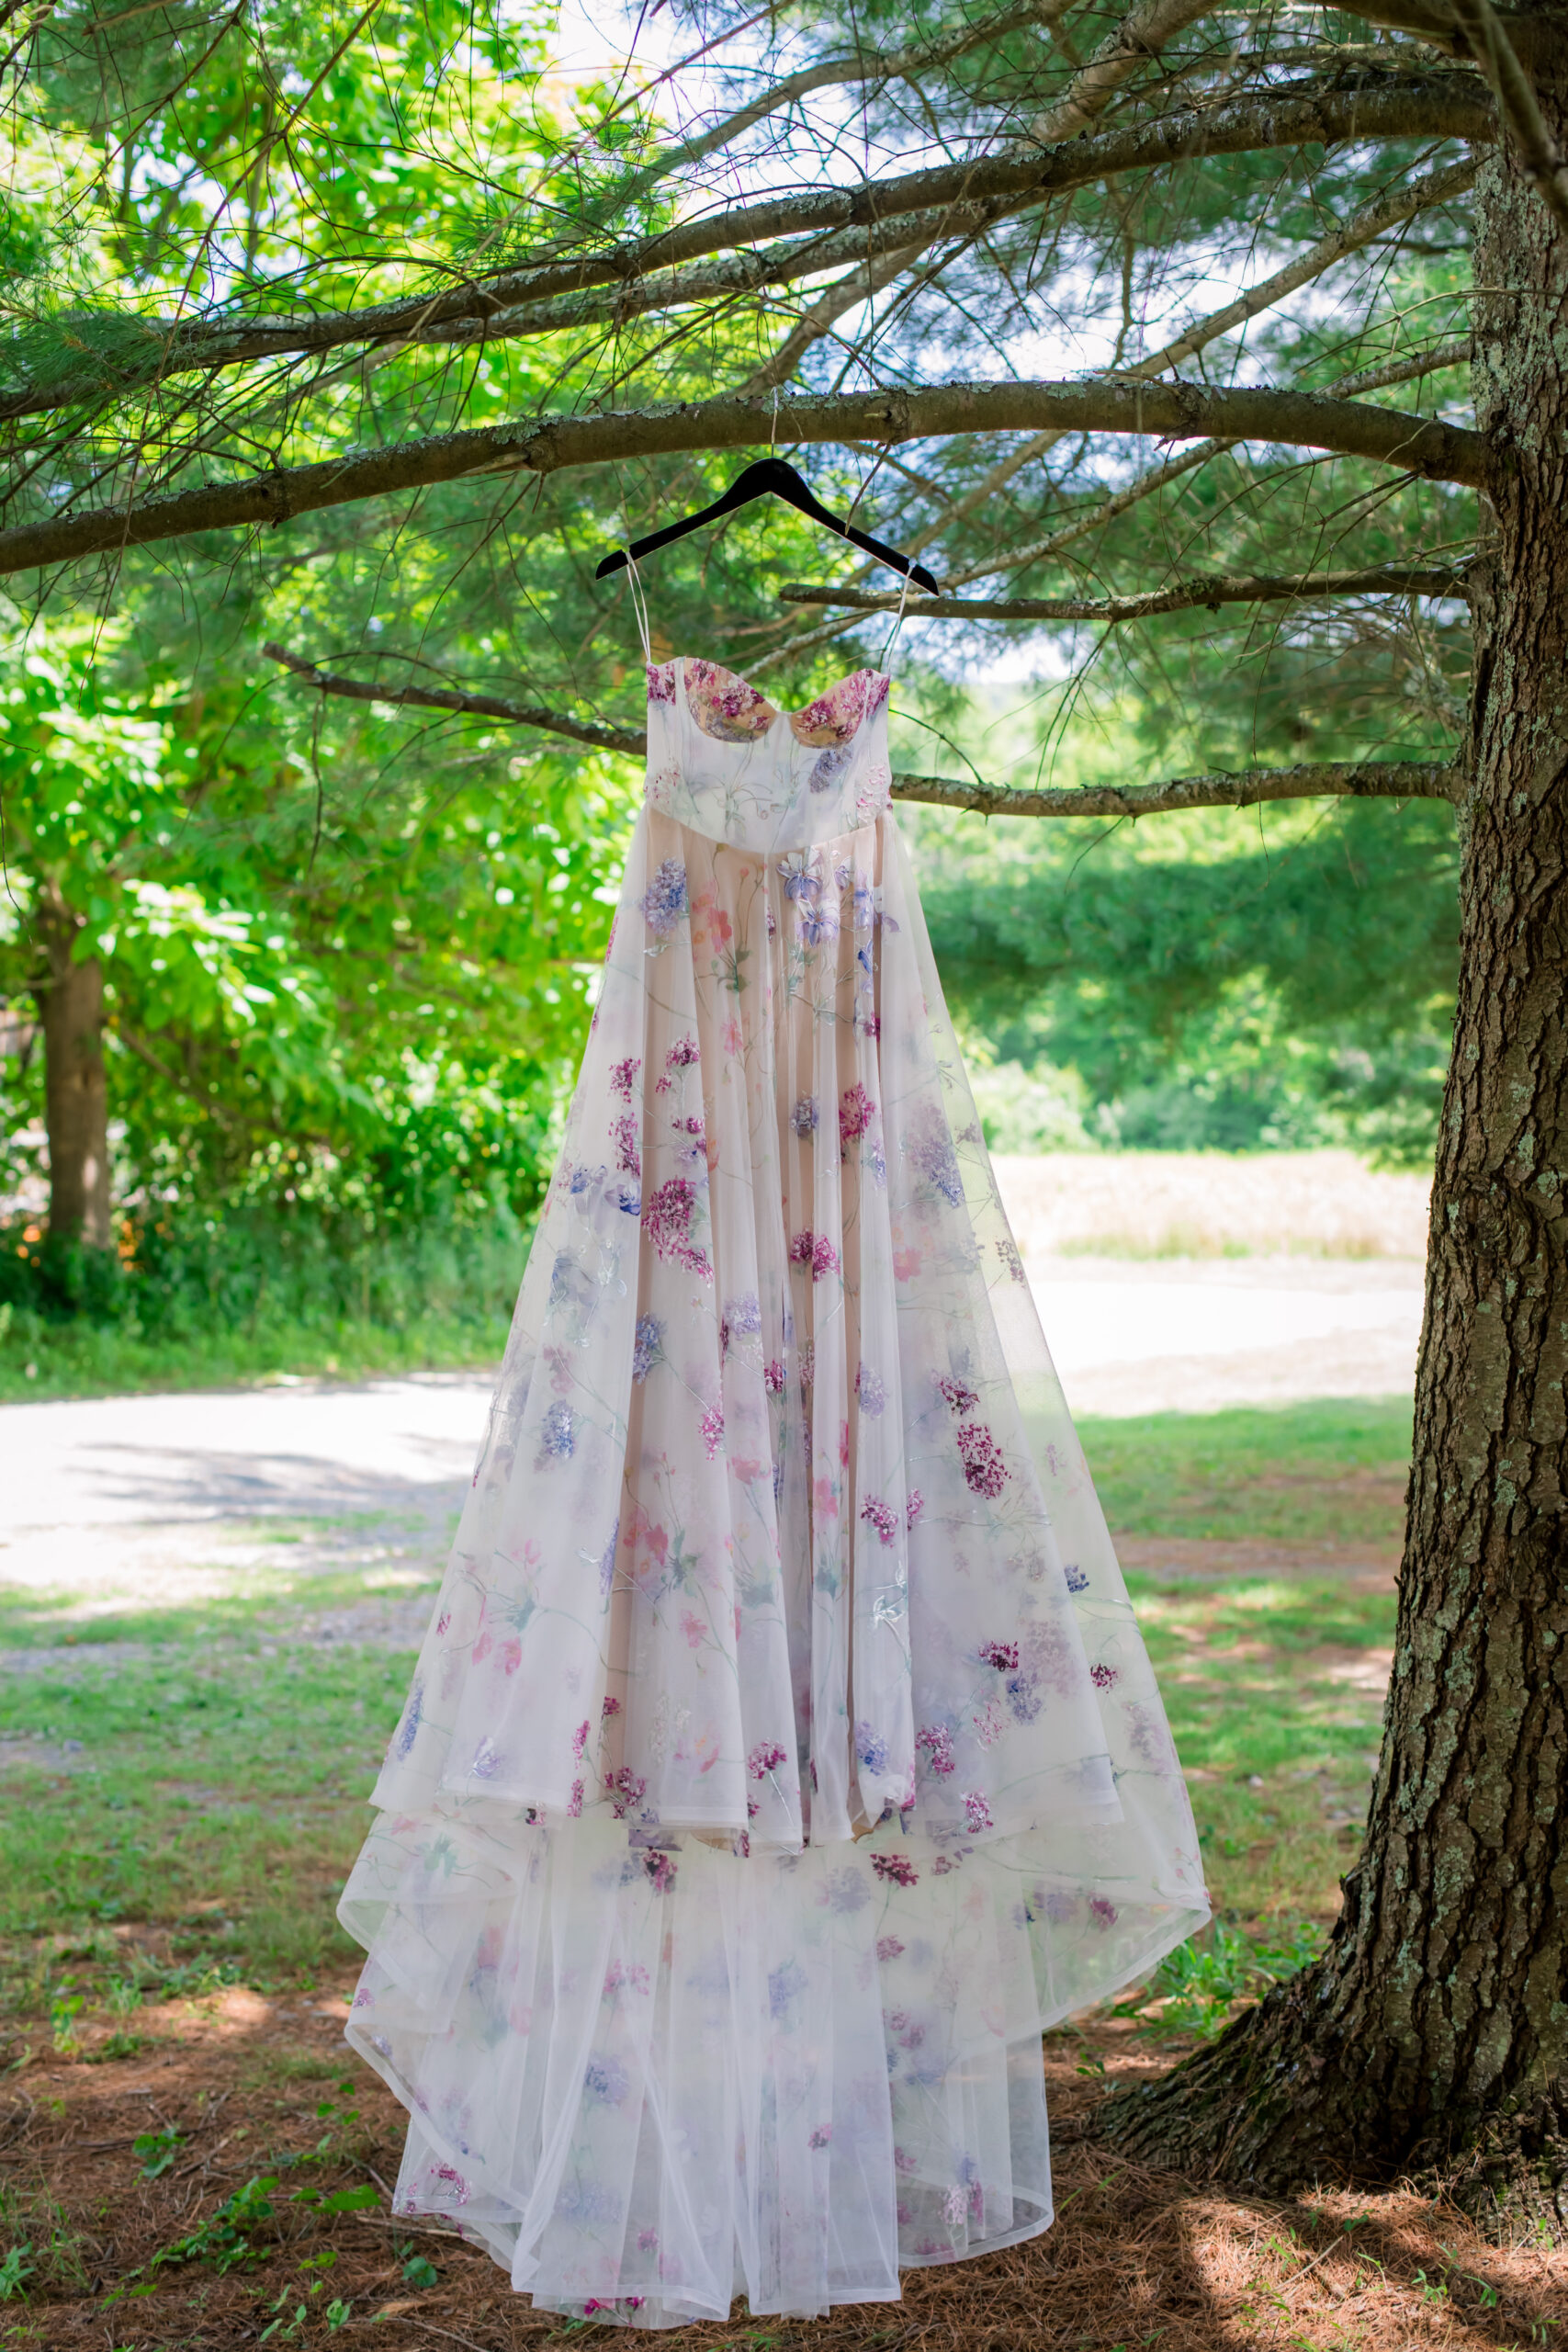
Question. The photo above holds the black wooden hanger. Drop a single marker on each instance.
(777, 475)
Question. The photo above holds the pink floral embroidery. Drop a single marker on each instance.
(693, 1627)
(773, 1377)
(978, 1813)
(856, 1111)
(1104, 1678)
(894, 1869)
(712, 1427)
(575, 1807)
(1003, 1656)
(937, 1740)
(623, 1077)
(724, 706)
(667, 1221)
(958, 1395)
(878, 1516)
(624, 1135)
(580, 1741)
(661, 682)
(625, 1791)
(764, 1759)
(984, 1470)
(914, 1507)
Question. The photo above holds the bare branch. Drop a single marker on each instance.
(1368, 380)
(906, 64)
(1182, 596)
(1142, 31)
(543, 446)
(1371, 779)
(856, 286)
(1538, 149)
(1374, 220)
(1387, 779)
(1533, 38)
(469, 705)
(958, 198)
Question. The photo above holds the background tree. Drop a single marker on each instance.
(400, 329)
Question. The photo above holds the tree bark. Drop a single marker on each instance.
(70, 1008)
(1432, 2034)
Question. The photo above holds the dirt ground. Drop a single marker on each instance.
(256, 2087)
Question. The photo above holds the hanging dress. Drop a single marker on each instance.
(783, 1755)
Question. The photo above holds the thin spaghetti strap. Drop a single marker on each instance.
(640, 606)
(892, 632)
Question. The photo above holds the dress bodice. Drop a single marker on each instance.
(723, 761)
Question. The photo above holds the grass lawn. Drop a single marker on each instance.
(185, 1789)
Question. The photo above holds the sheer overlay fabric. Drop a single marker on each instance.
(783, 1756)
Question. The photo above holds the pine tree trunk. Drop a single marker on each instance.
(1433, 2032)
(70, 1006)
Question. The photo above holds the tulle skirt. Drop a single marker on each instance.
(650, 2079)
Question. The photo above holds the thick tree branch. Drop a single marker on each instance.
(1534, 37)
(1370, 779)
(1377, 779)
(547, 445)
(1182, 596)
(959, 197)
(1367, 379)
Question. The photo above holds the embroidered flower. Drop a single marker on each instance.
(1023, 1693)
(626, 1136)
(694, 1629)
(870, 1748)
(895, 1870)
(773, 1376)
(1102, 1911)
(660, 681)
(684, 1054)
(558, 1433)
(805, 1117)
(648, 1346)
(937, 1740)
(764, 1759)
(742, 1318)
(664, 902)
(622, 1077)
(877, 1515)
(712, 1426)
(574, 1805)
(624, 1790)
(815, 924)
(978, 1813)
(667, 1221)
(870, 1391)
(580, 1741)
(961, 1398)
(1104, 1678)
(821, 2136)
(888, 1947)
(611, 1707)
(1077, 1580)
(660, 1871)
(914, 1507)
(984, 1472)
(824, 1258)
(856, 1111)
(1007, 1250)
(931, 1150)
(1003, 1656)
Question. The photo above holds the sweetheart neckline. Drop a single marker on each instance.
(777, 708)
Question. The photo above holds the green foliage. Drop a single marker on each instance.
(1206, 994)
(1203, 1983)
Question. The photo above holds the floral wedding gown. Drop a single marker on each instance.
(783, 1755)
